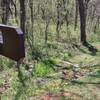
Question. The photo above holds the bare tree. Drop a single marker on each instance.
(22, 14)
(82, 20)
(6, 11)
(76, 14)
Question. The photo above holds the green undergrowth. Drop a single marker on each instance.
(55, 52)
(44, 68)
(34, 87)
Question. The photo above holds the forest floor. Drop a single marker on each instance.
(79, 81)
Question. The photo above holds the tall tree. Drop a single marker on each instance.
(83, 6)
(76, 14)
(82, 20)
(22, 14)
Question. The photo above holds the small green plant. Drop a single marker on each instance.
(5, 63)
(44, 68)
(67, 56)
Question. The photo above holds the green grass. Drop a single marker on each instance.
(32, 89)
(44, 68)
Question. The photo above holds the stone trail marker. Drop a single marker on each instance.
(12, 42)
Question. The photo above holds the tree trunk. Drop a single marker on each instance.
(82, 13)
(76, 15)
(58, 21)
(22, 14)
(32, 20)
(46, 30)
